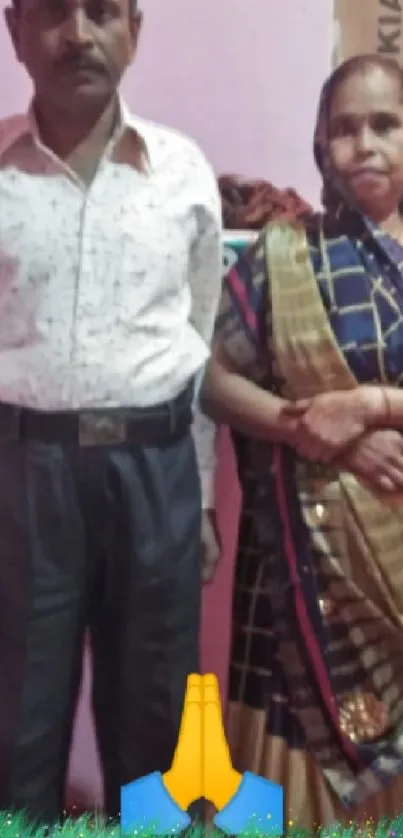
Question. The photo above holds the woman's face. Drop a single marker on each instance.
(366, 140)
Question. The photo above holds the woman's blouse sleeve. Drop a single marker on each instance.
(243, 316)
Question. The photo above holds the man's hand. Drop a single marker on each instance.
(211, 545)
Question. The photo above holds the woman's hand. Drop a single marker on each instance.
(376, 460)
(329, 423)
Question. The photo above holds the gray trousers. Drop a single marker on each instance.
(104, 539)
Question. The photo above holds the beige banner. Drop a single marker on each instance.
(363, 26)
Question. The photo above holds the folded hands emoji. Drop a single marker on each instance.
(202, 764)
(202, 768)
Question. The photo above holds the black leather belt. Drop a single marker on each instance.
(113, 426)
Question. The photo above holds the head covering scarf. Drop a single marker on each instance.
(332, 195)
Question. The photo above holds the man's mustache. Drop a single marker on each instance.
(79, 61)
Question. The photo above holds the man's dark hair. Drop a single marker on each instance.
(133, 4)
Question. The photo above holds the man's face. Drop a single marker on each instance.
(75, 51)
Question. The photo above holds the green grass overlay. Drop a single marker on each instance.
(15, 826)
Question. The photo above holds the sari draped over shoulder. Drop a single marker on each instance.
(317, 663)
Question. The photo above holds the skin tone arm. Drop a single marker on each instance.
(331, 421)
(385, 406)
(231, 399)
(376, 458)
(375, 405)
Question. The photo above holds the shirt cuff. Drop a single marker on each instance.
(146, 805)
(256, 808)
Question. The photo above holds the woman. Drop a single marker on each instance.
(306, 369)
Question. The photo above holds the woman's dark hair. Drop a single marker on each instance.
(331, 198)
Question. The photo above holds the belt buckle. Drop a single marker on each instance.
(101, 429)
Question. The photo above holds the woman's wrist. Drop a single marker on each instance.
(287, 432)
(376, 406)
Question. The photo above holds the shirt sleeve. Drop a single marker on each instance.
(147, 807)
(257, 808)
(205, 274)
(243, 321)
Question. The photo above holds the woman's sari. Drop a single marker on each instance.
(316, 680)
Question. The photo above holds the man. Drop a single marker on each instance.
(110, 261)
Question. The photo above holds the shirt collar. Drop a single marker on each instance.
(128, 145)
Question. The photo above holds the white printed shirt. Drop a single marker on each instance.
(108, 293)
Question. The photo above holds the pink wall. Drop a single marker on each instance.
(242, 77)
